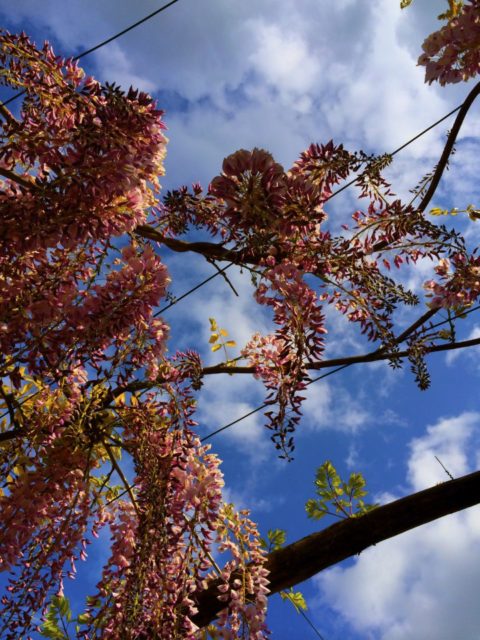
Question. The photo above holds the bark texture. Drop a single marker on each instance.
(310, 555)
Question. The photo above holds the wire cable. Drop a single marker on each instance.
(287, 595)
(107, 41)
(124, 31)
(401, 148)
(267, 404)
(310, 623)
(187, 293)
(325, 375)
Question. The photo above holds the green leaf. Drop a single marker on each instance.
(84, 618)
(276, 538)
(216, 347)
(345, 498)
(296, 598)
(405, 3)
(63, 606)
(50, 629)
(315, 509)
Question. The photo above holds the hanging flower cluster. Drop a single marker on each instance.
(80, 164)
(78, 168)
(162, 544)
(281, 360)
(45, 502)
(84, 371)
(452, 53)
(459, 287)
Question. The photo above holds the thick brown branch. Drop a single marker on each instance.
(442, 163)
(307, 557)
(452, 136)
(415, 325)
(5, 436)
(206, 249)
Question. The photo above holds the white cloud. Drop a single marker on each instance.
(117, 65)
(422, 584)
(447, 440)
(453, 355)
(221, 403)
(352, 460)
(285, 62)
(296, 73)
(334, 409)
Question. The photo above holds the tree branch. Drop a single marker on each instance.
(305, 558)
(5, 436)
(374, 356)
(7, 114)
(207, 249)
(452, 136)
(383, 355)
(10, 175)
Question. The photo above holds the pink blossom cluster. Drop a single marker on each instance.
(44, 318)
(78, 167)
(459, 284)
(80, 163)
(452, 53)
(295, 307)
(120, 311)
(44, 521)
(252, 186)
(324, 165)
(48, 505)
(161, 548)
(246, 590)
(256, 204)
(280, 360)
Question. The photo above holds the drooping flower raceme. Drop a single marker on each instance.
(79, 168)
(452, 53)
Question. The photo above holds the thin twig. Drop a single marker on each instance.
(224, 276)
(118, 469)
(444, 468)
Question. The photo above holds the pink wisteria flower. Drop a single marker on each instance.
(452, 53)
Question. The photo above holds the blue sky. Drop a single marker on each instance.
(280, 75)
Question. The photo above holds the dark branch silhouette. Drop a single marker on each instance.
(305, 558)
